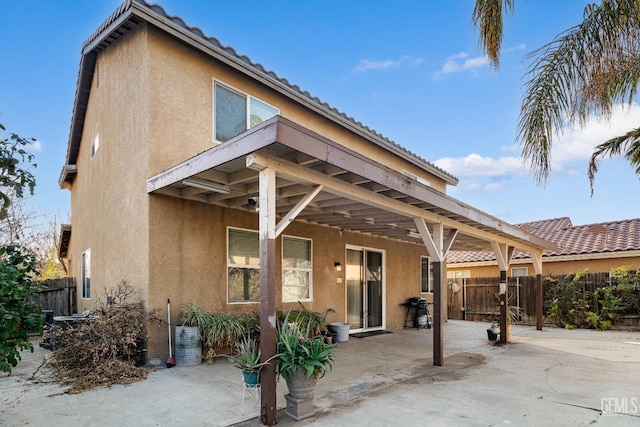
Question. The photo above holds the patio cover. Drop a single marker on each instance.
(292, 173)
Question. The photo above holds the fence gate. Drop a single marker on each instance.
(59, 296)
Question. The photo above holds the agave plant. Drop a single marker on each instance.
(298, 351)
(247, 355)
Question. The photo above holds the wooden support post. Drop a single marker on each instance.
(504, 308)
(539, 302)
(438, 290)
(267, 295)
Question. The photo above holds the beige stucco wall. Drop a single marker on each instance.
(181, 104)
(188, 261)
(108, 197)
(151, 102)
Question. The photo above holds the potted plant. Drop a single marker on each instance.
(189, 335)
(221, 331)
(301, 360)
(247, 358)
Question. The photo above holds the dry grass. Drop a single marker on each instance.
(106, 350)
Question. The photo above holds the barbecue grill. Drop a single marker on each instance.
(417, 313)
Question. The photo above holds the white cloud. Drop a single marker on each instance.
(35, 145)
(570, 153)
(475, 165)
(576, 144)
(517, 47)
(365, 65)
(462, 62)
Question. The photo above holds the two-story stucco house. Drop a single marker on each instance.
(197, 175)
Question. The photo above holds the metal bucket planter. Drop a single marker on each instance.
(188, 346)
(300, 397)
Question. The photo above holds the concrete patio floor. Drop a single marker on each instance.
(542, 378)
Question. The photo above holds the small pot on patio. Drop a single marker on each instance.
(247, 358)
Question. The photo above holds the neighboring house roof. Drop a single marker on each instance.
(132, 12)
(590, 239)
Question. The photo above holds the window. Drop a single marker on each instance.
(519, 272)
(235, 112)
(296, 269)
(459, 274)
(243, 265)
(96, 144)
(426, 275)
(86, 274)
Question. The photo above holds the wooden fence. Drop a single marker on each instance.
(58, 296)
(477, 298)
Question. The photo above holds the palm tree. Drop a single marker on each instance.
(583, 71)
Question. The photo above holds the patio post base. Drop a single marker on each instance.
(299, 409)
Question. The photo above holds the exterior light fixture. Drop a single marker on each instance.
(206, 185)
(337, 265)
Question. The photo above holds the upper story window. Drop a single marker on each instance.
(235, 112)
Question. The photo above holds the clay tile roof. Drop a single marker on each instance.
(615, 236)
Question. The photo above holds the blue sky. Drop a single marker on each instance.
(411, 70)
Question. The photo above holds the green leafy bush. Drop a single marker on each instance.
(19, 313)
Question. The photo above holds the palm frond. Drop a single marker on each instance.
(487, 17)
(583, 72)
(629, 143)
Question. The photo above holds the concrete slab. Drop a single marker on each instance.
(542, 378)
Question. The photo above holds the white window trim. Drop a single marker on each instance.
(309, 270)
(238, 265)
(83, 267)
(459, 274)
(247, 104)
(526, 271)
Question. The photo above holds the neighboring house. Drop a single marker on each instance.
(197, 175)
(597, 247)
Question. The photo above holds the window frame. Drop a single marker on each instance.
(429, 275)
(308, 270)
(459, 274)
(85, 269)
(248, 266)
(248, 97)
(526, 271)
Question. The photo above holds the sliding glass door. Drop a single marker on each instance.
(365, 288)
